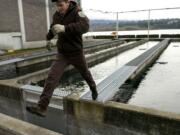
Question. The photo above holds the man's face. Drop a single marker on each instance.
(62, 6)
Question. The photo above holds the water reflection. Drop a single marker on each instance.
(160, 89)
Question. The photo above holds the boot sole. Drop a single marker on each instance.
(34, 112)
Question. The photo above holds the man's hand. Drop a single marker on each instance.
(49, 45)
(58, 28)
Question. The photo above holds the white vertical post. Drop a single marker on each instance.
(117, 25)
(149, 13)
(22, 26)
(47, 14)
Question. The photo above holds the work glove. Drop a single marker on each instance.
(49, 45)
(58, 28)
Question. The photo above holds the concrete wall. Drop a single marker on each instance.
(12, 104)
(10, 36)
(111, 118)
(9, 16)
(54, 120)
(11, 126)
(11, 101)
(9, 39)
(35, 19)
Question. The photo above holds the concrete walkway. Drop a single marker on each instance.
(11, 126)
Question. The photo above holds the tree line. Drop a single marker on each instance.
(110, 25)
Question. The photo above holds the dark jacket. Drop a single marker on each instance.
(70, 41)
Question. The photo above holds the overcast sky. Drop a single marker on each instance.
(128, 5)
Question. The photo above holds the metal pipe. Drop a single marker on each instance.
(149, 12)
(117, 25)
(106, 12)
(22, 26)
(47, 14)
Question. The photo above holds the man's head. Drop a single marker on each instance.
(62, 5)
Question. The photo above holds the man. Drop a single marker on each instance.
(69, 23)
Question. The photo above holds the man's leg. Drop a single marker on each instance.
(51, 83)
(79, 62)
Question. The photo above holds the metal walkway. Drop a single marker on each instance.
(109, 86)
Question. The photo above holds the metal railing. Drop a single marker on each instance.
(133, 11)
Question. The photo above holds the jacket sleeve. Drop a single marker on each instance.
(81, 26)
(50, 34)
